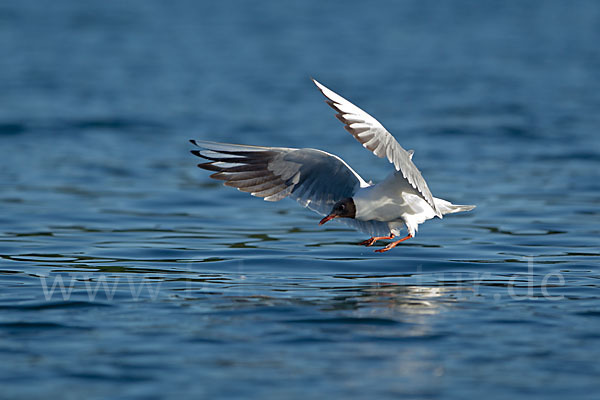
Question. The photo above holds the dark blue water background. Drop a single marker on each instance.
(126, 273)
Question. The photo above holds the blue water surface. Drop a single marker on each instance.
(125, 272)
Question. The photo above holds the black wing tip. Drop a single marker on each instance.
(192, 141)
(341, 118)
(196, 153)
(210, 167)
(333, 105)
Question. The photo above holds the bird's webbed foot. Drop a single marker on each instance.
(371, 241)
(392, 245)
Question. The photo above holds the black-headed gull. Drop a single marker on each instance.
(326, 184)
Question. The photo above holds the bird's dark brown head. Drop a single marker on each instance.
(344, 208)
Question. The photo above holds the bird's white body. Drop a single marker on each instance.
(397, 202)
(393, 201)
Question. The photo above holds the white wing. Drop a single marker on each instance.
(314, 178)
(373, 136)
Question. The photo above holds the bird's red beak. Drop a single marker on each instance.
(327, 218)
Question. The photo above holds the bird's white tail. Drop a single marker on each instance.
(448, 208)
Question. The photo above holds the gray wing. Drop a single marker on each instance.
(373, 136)
(314, 178)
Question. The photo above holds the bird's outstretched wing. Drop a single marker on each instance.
(314, 178)
(373, 136)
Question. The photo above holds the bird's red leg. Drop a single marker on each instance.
(370, 242)
(392, 245)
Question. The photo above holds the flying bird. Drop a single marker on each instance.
(326, 184)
